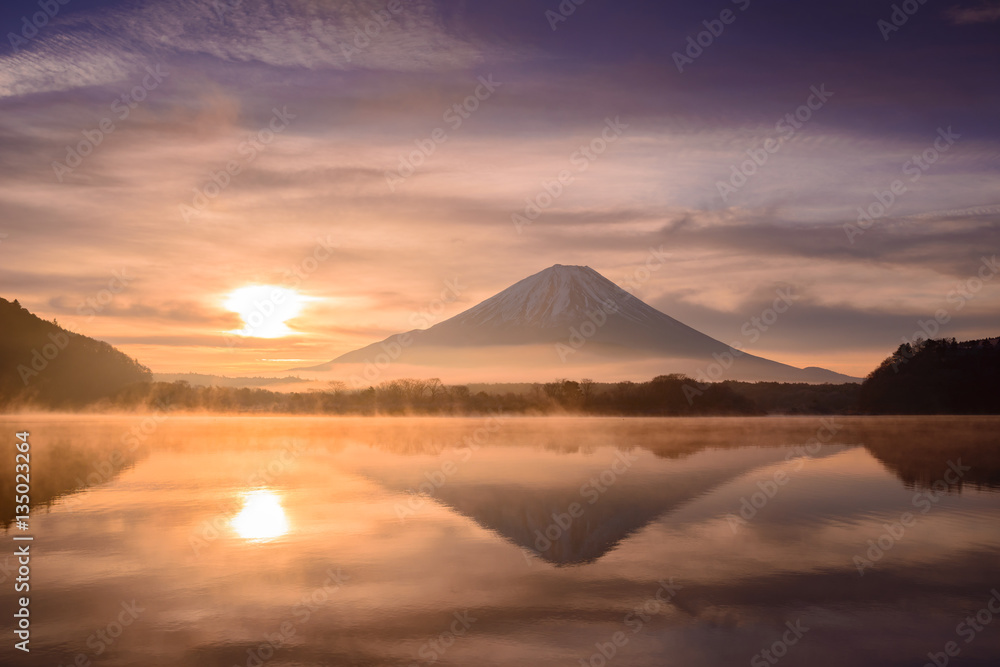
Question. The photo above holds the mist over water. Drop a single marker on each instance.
(182, 540)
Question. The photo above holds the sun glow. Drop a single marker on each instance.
(262, 516)
(265, 309)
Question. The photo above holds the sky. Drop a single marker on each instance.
(396, 162)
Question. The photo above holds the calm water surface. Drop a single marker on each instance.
(230, 541)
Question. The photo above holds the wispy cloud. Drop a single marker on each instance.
(971, 15)
(91, 49)
(66, 61)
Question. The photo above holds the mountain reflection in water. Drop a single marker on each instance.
(362, 541)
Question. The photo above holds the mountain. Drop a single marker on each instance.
(572, 315)
(44, 365)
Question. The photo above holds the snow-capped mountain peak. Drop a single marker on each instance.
(554, 297)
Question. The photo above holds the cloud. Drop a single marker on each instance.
(298, 33)
(87, 49)
(65, 61)
(973, 15)
(182, 312)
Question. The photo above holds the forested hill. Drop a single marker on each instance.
(42, 364)
(936, 377)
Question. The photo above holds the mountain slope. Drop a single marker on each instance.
(569, 314)
(42, 364)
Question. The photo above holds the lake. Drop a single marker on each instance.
(305, 541)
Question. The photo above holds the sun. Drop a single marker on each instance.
(262, 517)
(265, 309)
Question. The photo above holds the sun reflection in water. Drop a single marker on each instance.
(262, 517)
